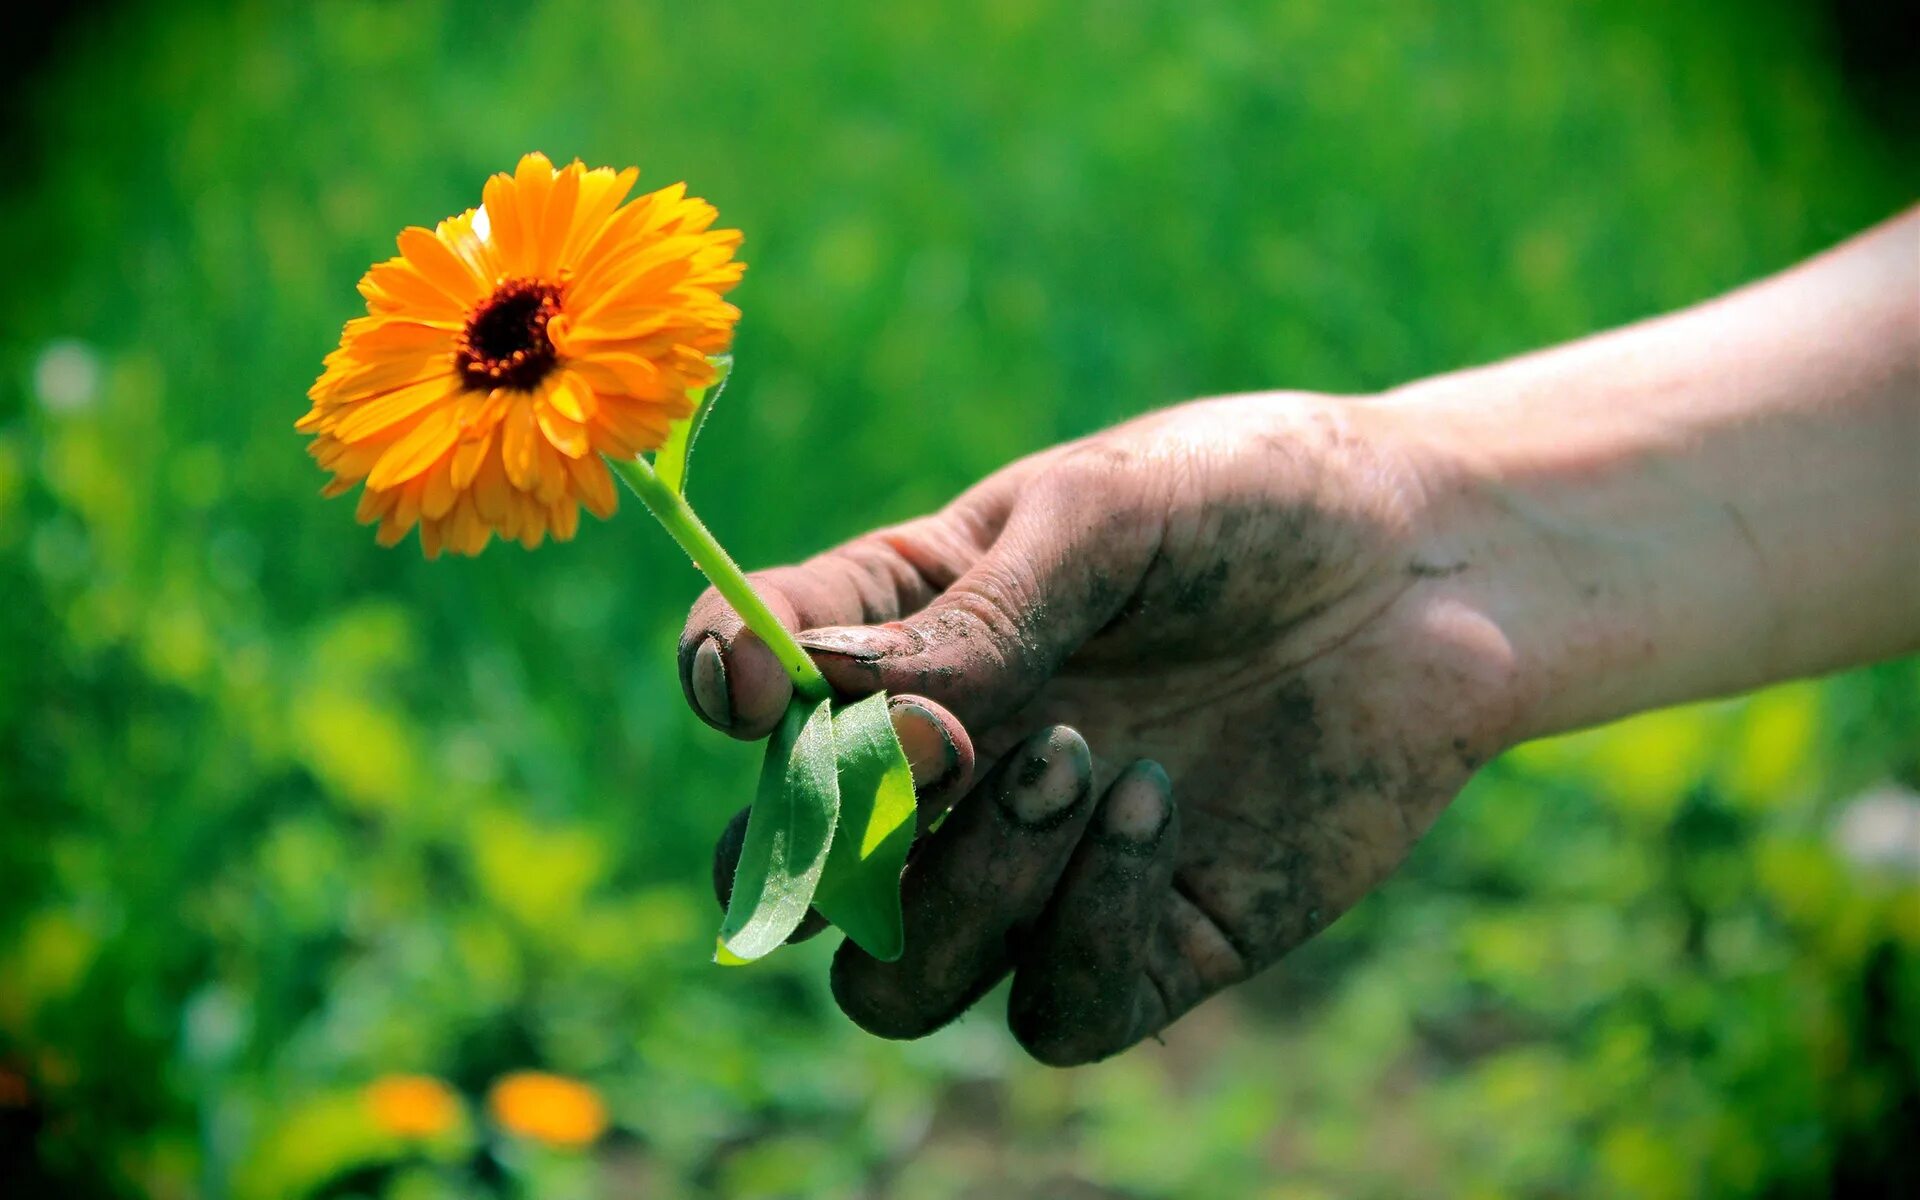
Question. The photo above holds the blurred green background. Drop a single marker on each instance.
(285, 813)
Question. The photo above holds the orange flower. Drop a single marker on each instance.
(548, 1108)
(504, 351)
(412, 1106)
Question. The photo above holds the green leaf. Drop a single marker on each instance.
(792, 823)
(670, 462)
(860, 888)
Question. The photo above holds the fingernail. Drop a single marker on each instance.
(1047, 784)
(932, 757)
(709, 676)
(861, 644)
(1138, 806)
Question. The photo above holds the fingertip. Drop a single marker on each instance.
(937, 747)
(884, 1002)
(847, 675)
(758, 689)
(731, 679)
(1138, 807)
(1081, 992)
(1047, 780)
(858, 983)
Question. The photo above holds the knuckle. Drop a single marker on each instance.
(708, 610)
(994, 600)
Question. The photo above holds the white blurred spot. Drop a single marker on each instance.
(66, 377)
(214, 1022)
(1881, 828)
(482, 224)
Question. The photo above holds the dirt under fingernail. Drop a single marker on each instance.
(931, 756)
(1138, 805)
(1045, 787)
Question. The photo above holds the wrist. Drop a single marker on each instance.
(1696, 505)
(1614, 584)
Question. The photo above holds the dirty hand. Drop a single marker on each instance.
(1309, 619)
(1217, 682)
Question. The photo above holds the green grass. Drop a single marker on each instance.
(285, 811)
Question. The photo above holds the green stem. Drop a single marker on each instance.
(673, 511)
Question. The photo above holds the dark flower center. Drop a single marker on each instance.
(505, 343)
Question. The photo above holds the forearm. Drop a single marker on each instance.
(1698, 504)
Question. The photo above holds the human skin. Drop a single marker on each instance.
(1312, 618)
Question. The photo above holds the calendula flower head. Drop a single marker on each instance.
(507, 349)
(548, 1108)
(412, 1106)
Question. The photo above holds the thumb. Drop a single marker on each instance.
(1058, 572)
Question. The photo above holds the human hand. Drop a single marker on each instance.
(1230, 601)
(1311, 619)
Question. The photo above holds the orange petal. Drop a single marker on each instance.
(510, 520)
(593, 483)
(565, 516)
(558, 220)
(492, 493)
(550, 476)
(504, 224)
(600, 194)
(632, 227)
(374, 505)
(415, 452)
(406, 509)
(567, 436)
(571, 397)
(466, 533)
(627, 324)
(393, 527)
(531, 521)
(629, 222)
(409, 340)
(458, 233)
(519, 444)
(380, 376)
(363, 418)
(349, 460)
(641, 278)
(620, 374)
(439, 494)
(440, 266)
(394, 285)
(533, 180)
(634, 428)
(467, 457)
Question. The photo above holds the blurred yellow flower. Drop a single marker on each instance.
(412, 1106)
(548, 1108)
(508, 348)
